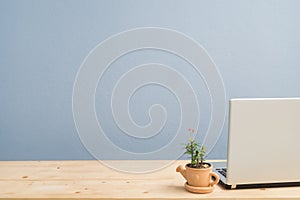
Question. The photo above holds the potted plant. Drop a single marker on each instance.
(198, 173)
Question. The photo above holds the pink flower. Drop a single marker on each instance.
(191, 130)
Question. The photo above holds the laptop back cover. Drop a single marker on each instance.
(264, 141)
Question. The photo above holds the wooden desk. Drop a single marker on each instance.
(91, 180)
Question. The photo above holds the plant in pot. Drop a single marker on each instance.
(198, 173)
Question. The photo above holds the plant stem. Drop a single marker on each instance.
(192, 153)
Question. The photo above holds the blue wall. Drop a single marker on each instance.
(254, 43)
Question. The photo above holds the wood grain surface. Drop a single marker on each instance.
(93, 180)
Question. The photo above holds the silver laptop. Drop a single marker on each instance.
(263, 143)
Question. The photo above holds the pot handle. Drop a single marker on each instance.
(217, 178)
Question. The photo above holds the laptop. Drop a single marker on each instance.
(263, 144)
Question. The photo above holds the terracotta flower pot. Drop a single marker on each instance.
(199, 180)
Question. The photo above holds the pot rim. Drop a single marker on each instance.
(192, 168)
